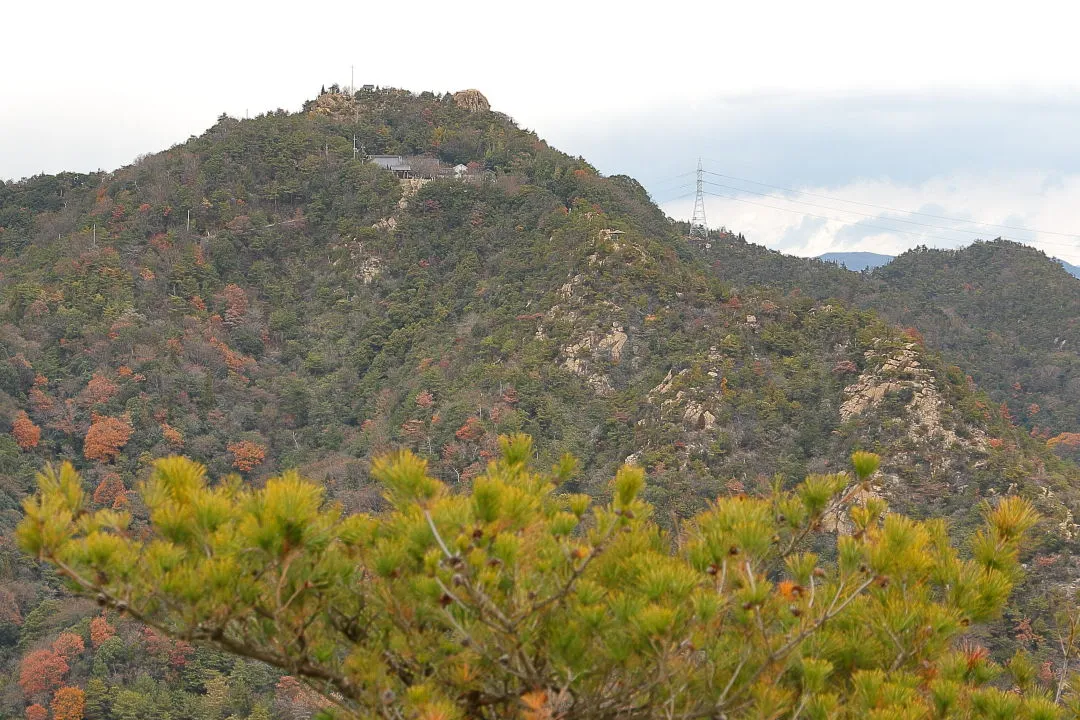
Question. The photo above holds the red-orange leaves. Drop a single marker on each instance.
(106, 437)
(99, 390)
(100, 630)
(26, 433)
(68, 645)
(172, 436)
(236, 305)
(471, 431)
(247, 455)
(41, 671)
(110, 492)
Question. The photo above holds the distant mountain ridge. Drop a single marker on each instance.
(859, 261)
(1073, 270)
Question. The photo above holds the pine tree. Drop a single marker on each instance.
(97, 699)
(516, 600)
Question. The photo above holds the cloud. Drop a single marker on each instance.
(992, 157)
(808, 139)
(1020, 199)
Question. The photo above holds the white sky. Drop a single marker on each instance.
(92, 85)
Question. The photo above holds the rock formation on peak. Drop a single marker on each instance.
(472, 100)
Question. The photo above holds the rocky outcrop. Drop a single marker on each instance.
(581, 355)
(695, 407)
(472, 100)
(334, 104)
(591, 347)
(900, 372)
(366, 266)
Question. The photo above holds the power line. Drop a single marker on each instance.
(678, 188)
(892, 209)
(954, 241)
(835, 219)
(978, 233)
(680, 176)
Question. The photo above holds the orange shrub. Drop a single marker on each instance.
(247, 455)
(171, 435)
(26, 433)
(106, 437)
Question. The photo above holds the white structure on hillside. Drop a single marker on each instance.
(397, 163)
(419, 167)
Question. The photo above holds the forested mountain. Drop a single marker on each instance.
(1006, 313)
(263, 297)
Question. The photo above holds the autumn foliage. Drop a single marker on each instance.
(247, 455)
(110, 492)
(172, 436)
(100, 630)
(236, 305)
(106, 437)
(41, 671)
(69, 703)
(68, 645)
(1066, 440)
(175, 652)
(36, 712)
(471, 431)
(25, 432)
(99, 390)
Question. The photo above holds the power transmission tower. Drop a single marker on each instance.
(699, 228)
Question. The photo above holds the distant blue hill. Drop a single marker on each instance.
(857, 261)
(1073, 270)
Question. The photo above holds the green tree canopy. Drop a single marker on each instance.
(513, 599)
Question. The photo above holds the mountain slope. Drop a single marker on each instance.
(1005, 312)
(263, 297)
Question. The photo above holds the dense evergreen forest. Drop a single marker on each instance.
(262, 298)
